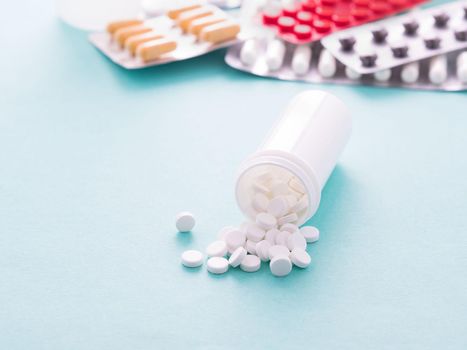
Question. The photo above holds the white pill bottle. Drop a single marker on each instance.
(304, 145)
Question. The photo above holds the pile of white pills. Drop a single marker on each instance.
(273, 237)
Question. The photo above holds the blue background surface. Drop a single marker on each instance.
(95, 161)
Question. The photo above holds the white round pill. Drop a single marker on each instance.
(224, 231)
(260, 202)
(280, 266)
(289, 227)
(300, 258)
(310, 233)
(278, 206)
(301, 205)
(192, 258)
(296, 241)
(185, 221)
(235, 239)
(266, 221)
(250, 246)
(251, 263)
(297, 186)
(262, 250)
(271, 235)
(217, 265)
(216, 248)
(237, 257)
(277, 250)
(292, 217)
(282, 237)
(254, 232)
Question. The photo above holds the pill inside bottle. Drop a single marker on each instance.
(293, 164)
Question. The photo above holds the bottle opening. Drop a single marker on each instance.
(260, 184)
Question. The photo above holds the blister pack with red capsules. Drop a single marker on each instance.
(301, 22)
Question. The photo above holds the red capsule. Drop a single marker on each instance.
(329, 2)
(290, 11)
(341, 20)
(360, 13)
(380, 7)
(322, 25)
(398, 3)
(309, 6)
(286, 24)
(305, 17)
(270, 16)
(361, 3)
(324, 12)
(302, 32)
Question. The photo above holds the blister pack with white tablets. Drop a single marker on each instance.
(312, 63)
(408, 38)
(180, 34)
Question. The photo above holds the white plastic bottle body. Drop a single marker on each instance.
(306, 142)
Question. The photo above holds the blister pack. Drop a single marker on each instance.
(312, 63)
(180, 34)
(305, 21)
(407, 38)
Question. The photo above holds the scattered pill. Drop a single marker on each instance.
(281, 238)
(192, 258)
(280, 266)
(185, 221)
(292, 228)
(296, 241)
(251, 263)
(310, 233)
(271, 236)
(262, 250)
(266, 221)
(224, 231)
(301, 59)
(254, 232)
(300, 258)
(278, 206)
(235, 238)
(275, 53)
(410, 72)
(217, 265)
(289, 218)
(277, 250)
(326, 64)
(250, 246)
(237, 256)
(383, 75)
(216, 248)
(438, 70)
